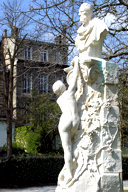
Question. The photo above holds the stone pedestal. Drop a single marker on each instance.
(97, 163)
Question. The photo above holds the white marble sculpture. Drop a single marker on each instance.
(91, 33)
(69, 120)
(90, 136)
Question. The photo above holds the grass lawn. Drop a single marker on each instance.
(126, 191)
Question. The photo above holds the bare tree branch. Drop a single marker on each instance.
(124, 2)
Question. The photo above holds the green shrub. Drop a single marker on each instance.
(39, 135)
(125, 152)
(27, 139)
(125, 168)
(27, 171)
(17, 148)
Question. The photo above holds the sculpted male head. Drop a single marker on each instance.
(85, 13)
(58, 87)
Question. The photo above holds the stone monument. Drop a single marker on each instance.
(89, 122)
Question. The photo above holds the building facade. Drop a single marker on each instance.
(37, 65)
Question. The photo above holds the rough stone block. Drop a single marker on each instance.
(111, 183)
(110, 72)
(111, 94)
(112, 161)
(109, 116)
(110, 136)
(88, 182)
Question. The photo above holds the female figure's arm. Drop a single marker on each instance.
(72, 85)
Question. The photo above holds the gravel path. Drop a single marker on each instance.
(125, 184)
(31, 189)
(46, 189)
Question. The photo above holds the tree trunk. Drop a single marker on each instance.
(9, 139)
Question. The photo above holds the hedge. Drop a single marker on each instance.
(125, 168)
(30, 171)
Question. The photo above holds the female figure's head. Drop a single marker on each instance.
(58, 87)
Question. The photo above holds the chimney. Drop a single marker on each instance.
(61, 39)
(64, 33)
(58, 39)
(14, 32)
(5, 33)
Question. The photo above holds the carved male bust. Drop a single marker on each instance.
(91, 33)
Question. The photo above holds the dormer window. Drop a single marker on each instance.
(28, 53)
(44, 56)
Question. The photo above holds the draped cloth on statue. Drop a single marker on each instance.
(90, 34)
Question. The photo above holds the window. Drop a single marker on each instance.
(44, 84)
(28, 53)
(44, 56)
(57, 77)
(59, 58)
(27, 83)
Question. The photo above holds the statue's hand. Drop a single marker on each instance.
(75, 61)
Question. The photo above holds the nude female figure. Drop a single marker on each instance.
(69, 120)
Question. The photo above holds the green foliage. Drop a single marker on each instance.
(27, 139)
(125, 152)
(17, 149)
(26, 171)
(40, 133)
(123, 105)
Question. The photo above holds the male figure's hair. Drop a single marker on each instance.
(86, 7)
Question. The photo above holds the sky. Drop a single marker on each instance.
(25, 6)
(25, 3)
